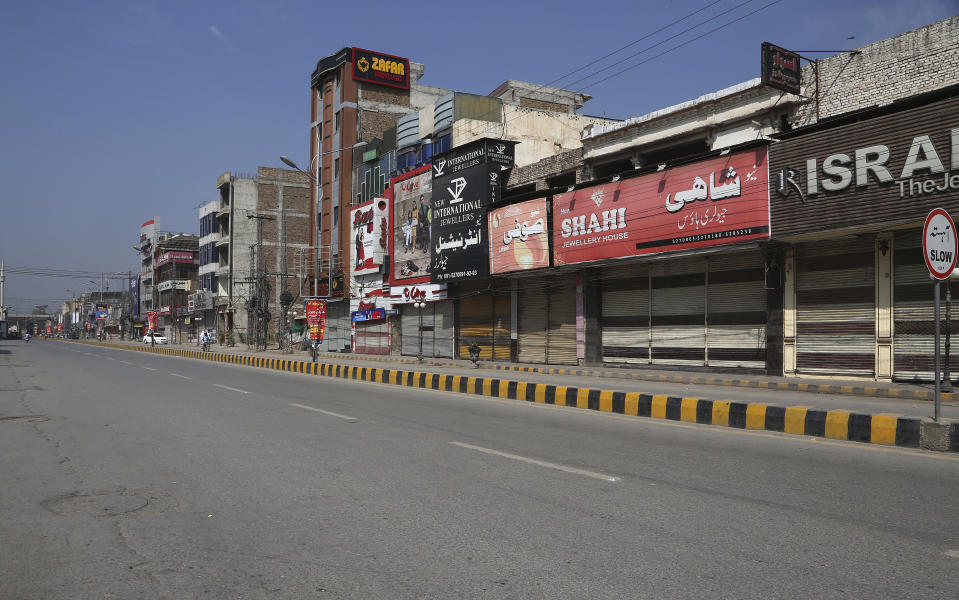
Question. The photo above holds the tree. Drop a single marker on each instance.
(39, 309)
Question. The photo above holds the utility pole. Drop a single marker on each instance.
(261, 302)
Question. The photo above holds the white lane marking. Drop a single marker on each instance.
(952, 553)
(110, 358)
(149, 368)
(540, 463)
(126, 362)
(181, 376)
(226, 387)
(326, 412)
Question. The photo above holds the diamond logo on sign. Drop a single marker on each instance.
(939, 243)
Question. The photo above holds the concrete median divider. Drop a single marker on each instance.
(890, 430)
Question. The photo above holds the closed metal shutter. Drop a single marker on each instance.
(409, 330)
(484, 319)
(437, 330)
(561, 322)
(373, 337)
(736, 310)
(337, 336)
(678, 308)
(443, 331)
(532, 325)
(624, 319)
(914, 313)
(835, 307)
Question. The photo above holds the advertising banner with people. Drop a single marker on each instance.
(412, 219)
(369, 232)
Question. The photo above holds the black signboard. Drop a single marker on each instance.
(780, 68)
(466, 180)
(383, 69)
(459, 248)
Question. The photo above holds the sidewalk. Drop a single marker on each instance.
(886, 413)
(914, 400)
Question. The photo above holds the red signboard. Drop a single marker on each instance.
(316, 318)
(518, 237)
(152, 320)
(718, 201)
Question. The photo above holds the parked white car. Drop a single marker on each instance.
(160, 339)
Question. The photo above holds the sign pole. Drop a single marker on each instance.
(936, 318)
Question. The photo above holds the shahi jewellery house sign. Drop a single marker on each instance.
(466, 180)
(718, 201)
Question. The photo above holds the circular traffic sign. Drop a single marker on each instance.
(939, 243)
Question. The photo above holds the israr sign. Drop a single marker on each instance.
(719, 201)
(780, 68)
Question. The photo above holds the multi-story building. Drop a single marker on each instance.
(257, 240)
(175, 276)
(371, 121)
(831, 282)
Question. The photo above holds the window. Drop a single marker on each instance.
(337, 120)
(336, 168)
(336, 215)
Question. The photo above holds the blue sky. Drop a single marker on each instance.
(112, 112)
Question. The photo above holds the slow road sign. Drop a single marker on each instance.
(939, 243)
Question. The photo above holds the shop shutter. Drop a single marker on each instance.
(484, 319)
(338, 332)
(561, 321)
(475, 325)
(736, 310)
(409, 325)
(373, 337)
(437, 330)
(678, 332)
(914, 313)
(443, 331)
(624, 319)
(532, 322)
(835, 307)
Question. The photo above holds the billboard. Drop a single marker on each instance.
(718, 201)
(780, 68)
(519, 237)
(459, 248)
(315, 310)
(412, 215)
(383, 69)
(369, 230)
(466, 180)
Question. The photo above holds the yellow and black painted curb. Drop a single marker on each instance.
(889, 430)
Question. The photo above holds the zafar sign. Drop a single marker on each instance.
(383, 69)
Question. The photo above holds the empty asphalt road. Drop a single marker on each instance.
(133, 475)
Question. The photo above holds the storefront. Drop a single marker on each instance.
(850, 200)
(688, 285)
(425, 318)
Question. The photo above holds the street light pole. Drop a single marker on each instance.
(420, 304)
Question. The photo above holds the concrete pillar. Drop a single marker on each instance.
(789, 312)
(884, 311)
